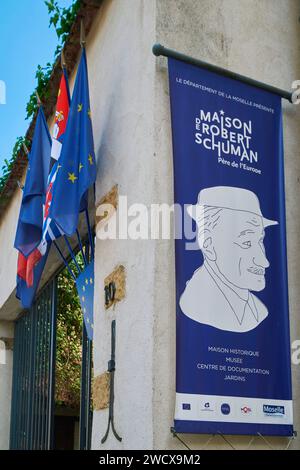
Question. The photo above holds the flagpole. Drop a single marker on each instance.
(82, 44)
(38, 99)
(82, 34)
(90, 233)
(64, 260)
(62, 60)
(81, 247)
(72, 253)
(25, 148)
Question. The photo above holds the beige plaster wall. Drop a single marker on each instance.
(260, 39)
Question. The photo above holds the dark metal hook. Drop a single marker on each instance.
(111, 370)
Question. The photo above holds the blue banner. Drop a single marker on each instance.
(233, 373)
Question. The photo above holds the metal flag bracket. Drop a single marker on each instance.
(111, 369)
(82, 34)
(159, 50)
(25, 148)
(62, 60)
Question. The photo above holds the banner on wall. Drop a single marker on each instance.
(233, 373)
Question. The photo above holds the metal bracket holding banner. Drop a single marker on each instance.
(160, 50)
(258, 435)
(111, 369)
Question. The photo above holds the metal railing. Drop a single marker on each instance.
(34, 374)
(33, 391)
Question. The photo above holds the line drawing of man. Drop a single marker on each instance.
(230, 233)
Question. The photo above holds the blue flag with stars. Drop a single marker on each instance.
(85, 288)
(30, 223)
(77, 165)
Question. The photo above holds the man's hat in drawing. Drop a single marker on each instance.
(227, 197)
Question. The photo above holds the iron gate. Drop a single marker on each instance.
(32, 409)
(33, 374)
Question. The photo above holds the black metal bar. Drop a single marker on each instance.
(83, 391)
(52, 361)
(34, 380)
(111, 369)
(25, 385)
(37, 377)
(81, 247)
(15, 377)
(48, 370)
(160, 50)
(28, 387)
(17, 362)
(72, 254)
(39, 381)
(89, 411)
(86, 372)
(45, 378)
(90, 233)
(31, 367)
(64, 260)
(21, 385)
(27, 355)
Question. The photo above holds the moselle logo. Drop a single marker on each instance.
(246, 410)
(186, 406)
(207, 407)
(225, 408)
(273, 410)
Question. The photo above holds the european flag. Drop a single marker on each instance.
(30, 224)
(85, 288)
(77, 164)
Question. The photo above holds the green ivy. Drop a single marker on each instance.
(68, 340)
(8, 164)
(42, 76)
(61, 19)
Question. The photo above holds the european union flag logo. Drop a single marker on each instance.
(85, 288)
(77, 164)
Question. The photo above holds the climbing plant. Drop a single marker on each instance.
(8, 164)
(68, 340)
(61, 19)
